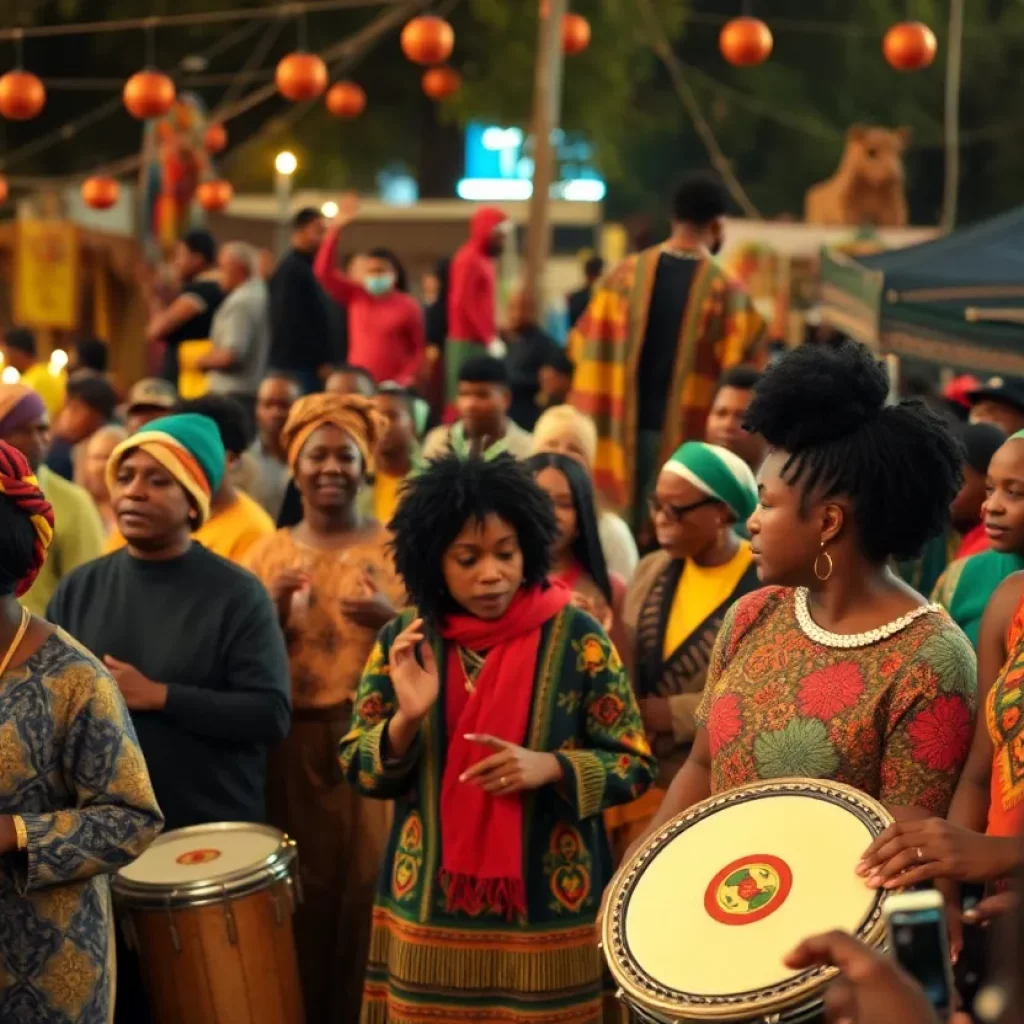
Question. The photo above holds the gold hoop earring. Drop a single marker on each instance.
(828, 558)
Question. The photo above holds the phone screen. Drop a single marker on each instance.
(918, 941)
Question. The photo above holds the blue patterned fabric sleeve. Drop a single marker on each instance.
(114, 814)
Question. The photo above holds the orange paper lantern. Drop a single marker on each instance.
(910, 46)
(301, 76)
(148, 94)
(345, 100)
(215, 194)
(22, 95)
(575, 34)
(4, 190)
(440, 83)
(745, 42)
(428, 39)
(100, 192)
(215, 138)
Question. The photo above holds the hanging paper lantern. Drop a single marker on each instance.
(148, 94)
(910, 46)
(575, 34)
(440, 83)
(428, 39)
(345, 100)
(215, 138)
(745, 42)
(301, 76)
(22, 95)
(100, 192)
(4, 190)
(214, 195)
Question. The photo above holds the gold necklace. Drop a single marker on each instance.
(26, 618)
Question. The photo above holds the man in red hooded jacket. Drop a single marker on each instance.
(472, 317)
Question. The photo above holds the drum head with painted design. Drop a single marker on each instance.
(708, 916)
(205, 853)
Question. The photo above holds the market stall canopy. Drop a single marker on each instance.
(957, 301)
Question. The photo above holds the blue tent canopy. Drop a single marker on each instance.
(956, 301)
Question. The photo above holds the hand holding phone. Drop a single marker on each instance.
(917, 938)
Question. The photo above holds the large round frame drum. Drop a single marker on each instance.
(209, 910)
(699, 919)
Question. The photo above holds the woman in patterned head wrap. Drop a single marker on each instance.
(675, 604)
(334, 584)
(76, 802)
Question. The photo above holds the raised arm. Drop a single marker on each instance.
(339, 286)
(113, 815)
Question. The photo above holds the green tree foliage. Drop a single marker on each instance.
(782, 125)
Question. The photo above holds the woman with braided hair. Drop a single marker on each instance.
(837, 669)
(334, 585)
(75, 798)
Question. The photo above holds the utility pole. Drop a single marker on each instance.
(547, 105)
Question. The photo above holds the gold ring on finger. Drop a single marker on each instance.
(502, 781)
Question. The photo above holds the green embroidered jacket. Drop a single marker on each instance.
(583, 710)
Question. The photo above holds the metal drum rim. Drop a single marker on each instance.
(254, 878)
(639, 989)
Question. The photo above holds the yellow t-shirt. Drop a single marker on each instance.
(702, 589)
(48, 386)
(230, 533)
(385, 496)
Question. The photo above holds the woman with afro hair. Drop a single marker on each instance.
(499, 719)
(836, 669)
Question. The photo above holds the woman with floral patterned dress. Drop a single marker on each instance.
(501, 721)
(837, 669)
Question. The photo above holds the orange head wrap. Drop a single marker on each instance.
(352, 413)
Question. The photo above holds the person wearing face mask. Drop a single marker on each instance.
(386, 332)
(472, 296)
(659, 332)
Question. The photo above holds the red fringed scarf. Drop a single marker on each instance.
(482, 835)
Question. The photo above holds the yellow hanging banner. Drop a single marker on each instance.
(46, 272)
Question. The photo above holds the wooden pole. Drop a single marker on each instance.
(954, 62)
(547, 104)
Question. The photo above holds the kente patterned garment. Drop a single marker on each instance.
(1004, 716)
(431, 965)
(720, 328)
(893, 719)
(70, 766)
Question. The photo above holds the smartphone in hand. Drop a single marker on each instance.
(917, 939)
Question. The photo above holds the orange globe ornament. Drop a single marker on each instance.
(301, 76)
(745, 42)
(345, 100)
(910, 46)
(214, 195)
(428, 39)
(100, 192)
(4, 190)
(22, 95)
(440, 83)
(575, 34)
(148, 94)
(215, 138)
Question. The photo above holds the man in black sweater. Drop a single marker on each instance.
(191, 639)
(303, 323)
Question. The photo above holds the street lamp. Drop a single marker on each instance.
(285, 165)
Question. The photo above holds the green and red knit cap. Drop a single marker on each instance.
(188, 446)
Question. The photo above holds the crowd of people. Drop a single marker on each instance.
(469, 647)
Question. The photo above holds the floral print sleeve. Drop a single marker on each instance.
(361, 751)
(930, 724)
(612, 762)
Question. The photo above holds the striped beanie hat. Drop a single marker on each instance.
(188, 446)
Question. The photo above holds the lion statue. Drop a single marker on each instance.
(869, 187)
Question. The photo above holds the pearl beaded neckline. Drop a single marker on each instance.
(850, 640)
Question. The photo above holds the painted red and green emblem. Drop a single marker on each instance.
(748, 889)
